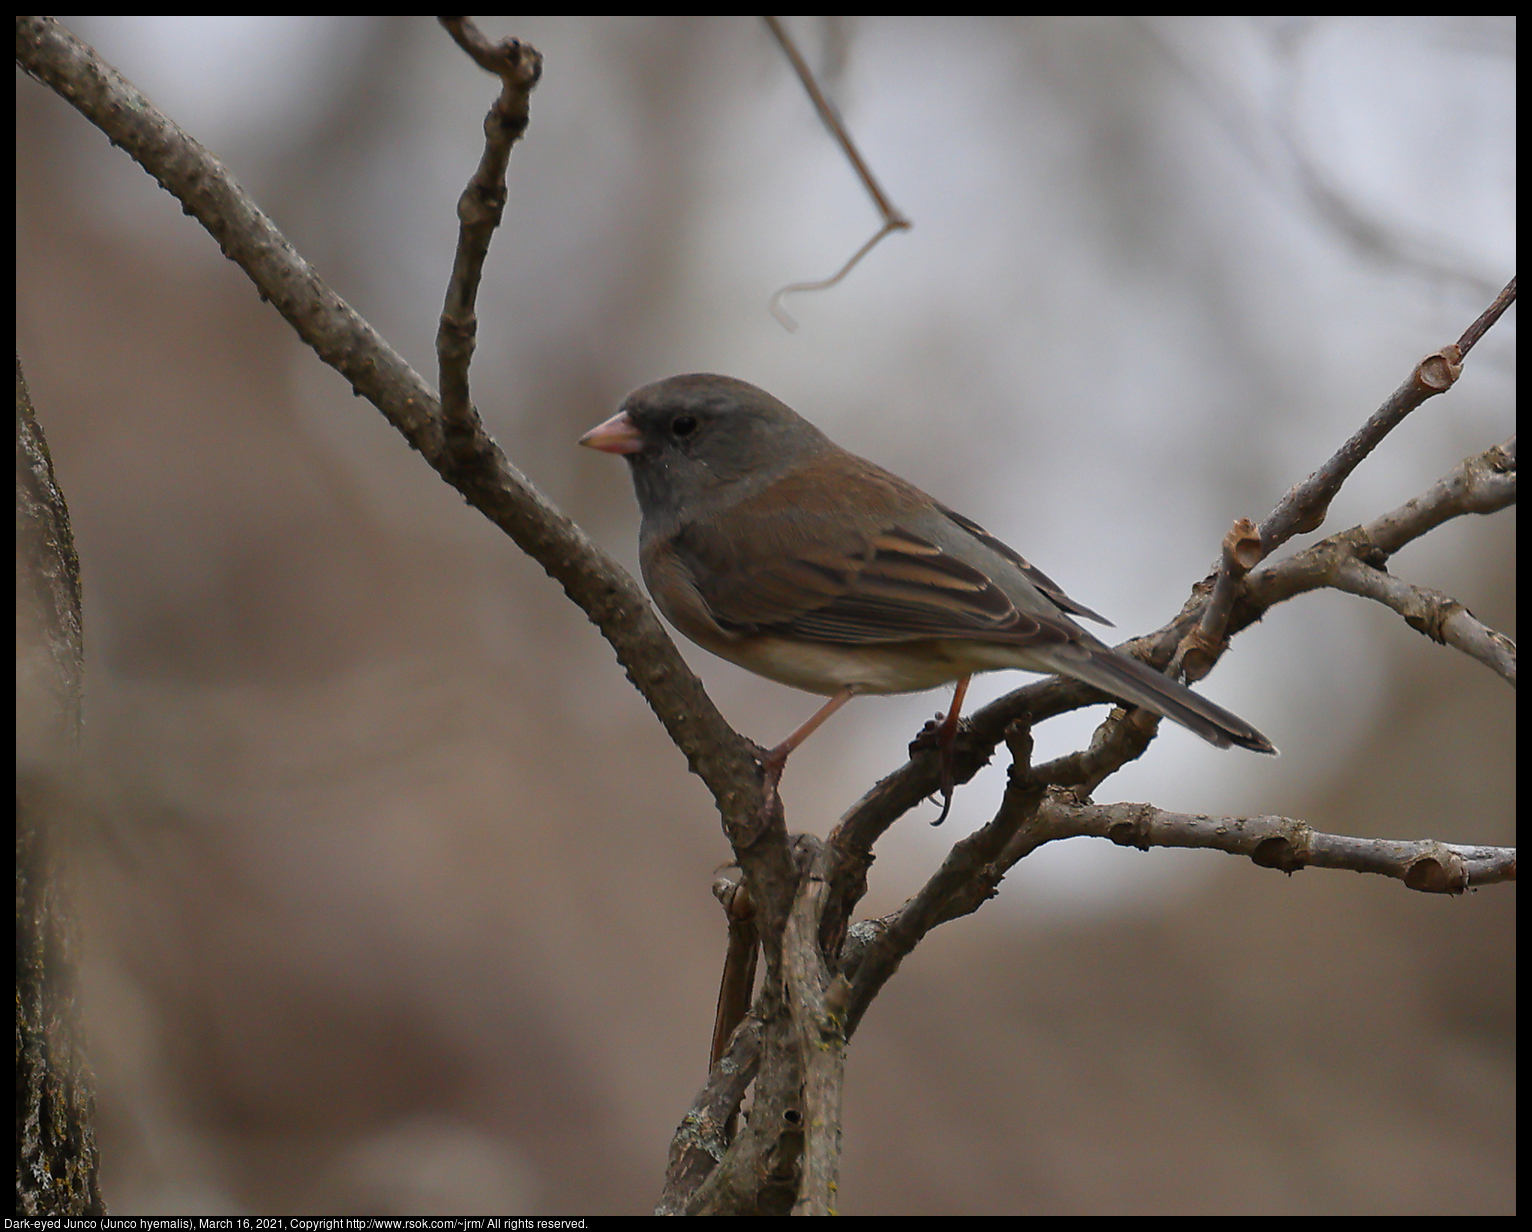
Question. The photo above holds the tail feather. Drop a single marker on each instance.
(1129, 680)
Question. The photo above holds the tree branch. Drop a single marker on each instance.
(699, 1143)
(1354, 560)
(875, 947)
(479, 211)
(723, 759)
(1440, 617)
(818, 1001)
(962, 872)
(1304, 507)
(1282, 843)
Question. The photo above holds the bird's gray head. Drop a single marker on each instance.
(688, 436)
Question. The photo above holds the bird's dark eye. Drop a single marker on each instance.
(683, 425)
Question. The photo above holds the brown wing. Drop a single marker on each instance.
(812, 569)
(1033, 574)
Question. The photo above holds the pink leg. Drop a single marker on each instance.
(945, 735)
(948, 729)
(777, 758)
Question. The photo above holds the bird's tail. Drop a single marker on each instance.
(1130, 681)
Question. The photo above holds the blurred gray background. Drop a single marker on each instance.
(396, 896)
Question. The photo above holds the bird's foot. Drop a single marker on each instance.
(942, 735)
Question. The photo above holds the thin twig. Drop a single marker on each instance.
(1487, 318)
(1304, 507)
(893, 219)
(826, 283)
(832, 121)
(1353, 560)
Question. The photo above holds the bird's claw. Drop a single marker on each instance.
(943, 735)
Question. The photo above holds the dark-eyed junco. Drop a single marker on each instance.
(768, 544)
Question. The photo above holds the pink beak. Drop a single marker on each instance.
(616, 435)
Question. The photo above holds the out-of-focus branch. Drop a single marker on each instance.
(1264, 126)
(57, 1161)
(893, 220)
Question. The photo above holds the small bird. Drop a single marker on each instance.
(770, 545)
